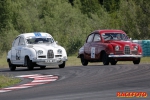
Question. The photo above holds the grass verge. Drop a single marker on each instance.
(6, 81)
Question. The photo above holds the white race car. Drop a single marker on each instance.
(36, 49)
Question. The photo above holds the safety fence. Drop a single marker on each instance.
(145, 44)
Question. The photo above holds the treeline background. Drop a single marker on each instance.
(70, 21)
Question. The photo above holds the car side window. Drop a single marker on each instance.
(90, 38)
(21, 41)
(16, 41)
(97, 37)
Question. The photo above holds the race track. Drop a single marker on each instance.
(94, 82)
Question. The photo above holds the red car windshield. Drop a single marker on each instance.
(114, 36)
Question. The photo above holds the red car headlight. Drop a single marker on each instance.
(117, 48)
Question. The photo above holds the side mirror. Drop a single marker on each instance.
(56, 42)
(131, 39)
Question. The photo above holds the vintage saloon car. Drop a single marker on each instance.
(36, 49)
(109, 46)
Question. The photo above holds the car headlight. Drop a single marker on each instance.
(117, 48)
(59, 51)
(40, 52)
(135, 47)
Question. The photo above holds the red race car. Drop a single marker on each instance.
(109, 46)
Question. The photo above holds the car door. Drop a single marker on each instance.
(14, 57)
(96, 47)
(21, 50)
(87, 46)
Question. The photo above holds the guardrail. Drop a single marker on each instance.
(145, 44)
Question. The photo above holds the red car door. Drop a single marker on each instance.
(87, 47)
(96, 47)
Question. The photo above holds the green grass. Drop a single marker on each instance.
(3, 61)
(6, 81)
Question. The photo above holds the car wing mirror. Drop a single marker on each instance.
(56, 42)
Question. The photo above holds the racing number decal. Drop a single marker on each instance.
(92, 52)
(18, 52)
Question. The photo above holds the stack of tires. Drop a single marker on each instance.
(145, 44)
(146, 47)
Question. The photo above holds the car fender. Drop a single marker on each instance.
(81, 51)
(31, 53)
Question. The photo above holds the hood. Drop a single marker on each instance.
(120, 43)
(46, 47)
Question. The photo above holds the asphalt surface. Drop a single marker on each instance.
(84, 83)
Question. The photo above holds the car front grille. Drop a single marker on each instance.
(126, 50)
(50, 54)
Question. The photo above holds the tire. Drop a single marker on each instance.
(11, 66)
(42, 67)
(62, 65)
(105, 59)
(113, 62)
(29, 63)
(137, 61)
(83, 61)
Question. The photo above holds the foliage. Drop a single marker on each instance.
(70, 21)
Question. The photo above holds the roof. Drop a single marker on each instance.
(110, 30)
(35, 34)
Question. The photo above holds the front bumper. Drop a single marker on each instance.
(49, 62)
(125, 56)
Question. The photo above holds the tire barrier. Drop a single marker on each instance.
(145, 44)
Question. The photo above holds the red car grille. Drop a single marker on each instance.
(126, 50)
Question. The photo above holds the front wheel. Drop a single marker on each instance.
(62, 65)
(137, 61)
(29, 63)
(42, 67)
(113, 62)
(11, 66)
(84, 61)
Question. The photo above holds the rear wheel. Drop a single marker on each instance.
(137, 61)
(83, 61)
(11, 66)
(29, 63)
(62, 65)
(105, 59)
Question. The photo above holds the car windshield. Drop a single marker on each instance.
(39, 40)
(114, 36)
